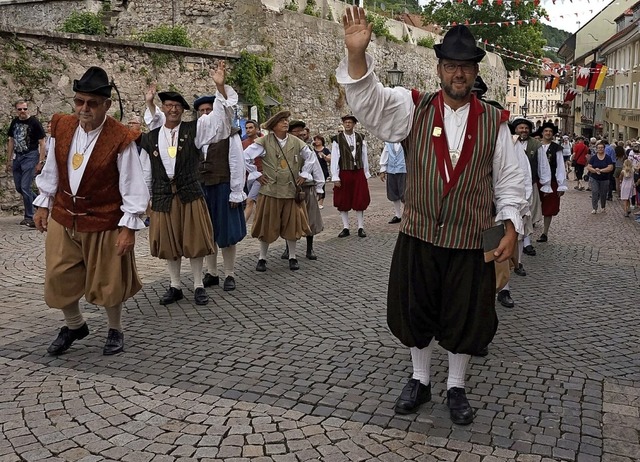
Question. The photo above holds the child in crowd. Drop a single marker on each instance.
(627, 188)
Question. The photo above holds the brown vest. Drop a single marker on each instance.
(347, 161)
(96, 205)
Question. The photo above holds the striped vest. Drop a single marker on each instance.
(449, 214)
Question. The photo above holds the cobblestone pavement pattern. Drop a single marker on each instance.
(272, 373)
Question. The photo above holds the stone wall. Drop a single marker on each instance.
(43, 15)
(305, 50)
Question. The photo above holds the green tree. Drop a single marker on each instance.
(522, 38)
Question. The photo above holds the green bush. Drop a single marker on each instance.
(427, 42)
(292, 5)
(84, 23)
(380, 28)
(167, 35)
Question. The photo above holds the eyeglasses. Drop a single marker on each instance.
(22, 109)
(172, 106)
(91, 103)
(467, 68)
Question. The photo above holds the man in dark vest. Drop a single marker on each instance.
(350, 171)
(550, 200)
(180, 223)
(441, 288)
(222, 174)
(93, 185)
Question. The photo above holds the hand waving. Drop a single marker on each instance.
(357, 32)
(218, 74)
(151, 93)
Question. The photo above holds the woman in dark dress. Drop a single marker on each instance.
(324, 158)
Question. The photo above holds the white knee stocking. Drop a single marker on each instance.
(397, 206)
(421, 361)
(229, 260)
(345, 219)
(457, 370)
(174, 272)
(360, 216)
(264, 248)
(196, 270)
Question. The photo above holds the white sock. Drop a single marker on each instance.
(520, 249)
(196, 270)
(292, 249)
(211, 261)
(360, 215)
(506, 287)
(73, 316)
(526, 241)
(114, 316)
(174, 272)
(345, 219)
(457, 370)
(421, 361)
(397, 205)
(264, 248)
(229, 260)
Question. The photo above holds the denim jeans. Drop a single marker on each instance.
(24, 169)
(599, 190)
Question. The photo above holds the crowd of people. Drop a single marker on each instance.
(199, 182)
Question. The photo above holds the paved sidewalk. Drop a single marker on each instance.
(267, 373)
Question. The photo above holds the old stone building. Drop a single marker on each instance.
(305, 50)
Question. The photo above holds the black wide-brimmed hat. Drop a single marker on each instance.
(296, 123)
(349, 117)
(93, 82)
(277, 117)
(203, 100)
(459, 44)
(173, 96)
(479, 87)
(520, 121)
(549, 125)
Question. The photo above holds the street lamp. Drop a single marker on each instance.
(525, 108)
(395, 76)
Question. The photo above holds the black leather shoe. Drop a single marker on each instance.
(229, 284)
(529, 250)
(200, 296)
(395, 220)
(311, 255)
(285, 254)
(482, 353)
(543, 238)
(114, 344)
(459, 407)
(361, 233)
(210, 280)
(66, 337)
(293, 264)
(413, 395)
(504, 297)
(261, 266)
(172, 295)
(344, 232)
(520, 270)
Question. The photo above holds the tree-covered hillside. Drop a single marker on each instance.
(554, 37)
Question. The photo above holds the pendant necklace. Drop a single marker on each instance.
(171, 149)
(78, 157)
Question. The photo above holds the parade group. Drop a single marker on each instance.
(454, 166)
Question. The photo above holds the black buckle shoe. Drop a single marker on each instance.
(529, 250)
(114, 344)
(344, 232)
(261, 266)
(361, 233)
(413, 395)
(210, 280)
(395, 220)
(293, 264)
(543, 238)
(65, 339)
(200, 296)
(520, 270)
(172, 295)
(285, 254)
(229, 284)
(311, 255)
(459, 408)
(504, 297)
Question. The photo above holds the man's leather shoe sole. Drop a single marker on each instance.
(114, 344)
(65, 339)
(460, 410)
(412, 396)
(210, 280)
(261, 266)
(229, 284)
(172, 295)
(344, 233)
(200, 296)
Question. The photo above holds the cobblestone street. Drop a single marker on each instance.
(295, 366)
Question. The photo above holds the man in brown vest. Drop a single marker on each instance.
(222, 175)
(93, 185)
(441, 288)
(350, 171)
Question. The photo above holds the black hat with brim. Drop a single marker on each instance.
(350, 117)
(459, 44)
(296, 123)
(520, 121)
(93, 82)
(277, 117)
(479, 87)
(173, 96)
(203, 100)
(549, 125)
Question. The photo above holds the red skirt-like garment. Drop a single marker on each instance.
(353, 193)
(550, 203)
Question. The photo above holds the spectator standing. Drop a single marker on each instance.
(580, 156)
(600, 168)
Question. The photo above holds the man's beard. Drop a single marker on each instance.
(456, 95)
(524, 136)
